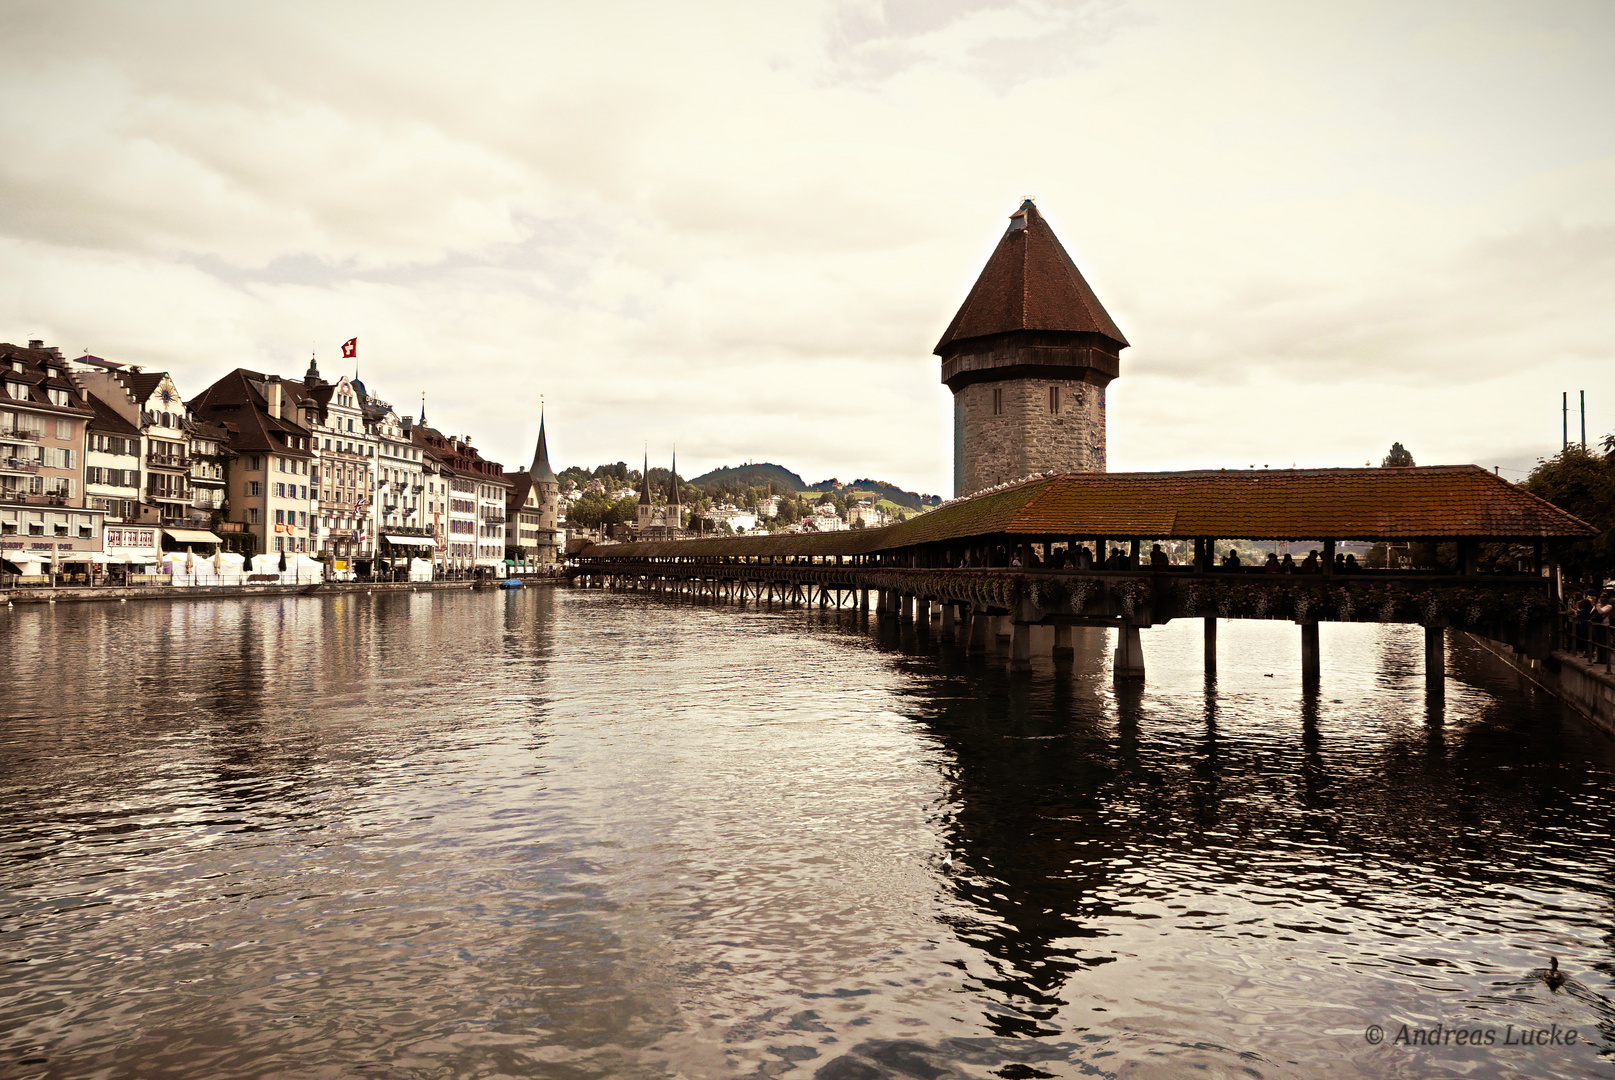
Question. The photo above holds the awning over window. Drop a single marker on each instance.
(191, 536)
(409, 541)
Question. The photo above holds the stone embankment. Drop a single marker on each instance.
(1587, 688)
(199, 592)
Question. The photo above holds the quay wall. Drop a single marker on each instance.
(106, 594)
(1587, 688)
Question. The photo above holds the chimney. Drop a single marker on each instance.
(36, 343)
(272, 392)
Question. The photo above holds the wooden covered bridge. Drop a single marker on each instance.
(1007, 559)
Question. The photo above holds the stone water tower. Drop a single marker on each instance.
(1028, 358)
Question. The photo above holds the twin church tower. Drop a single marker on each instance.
(1028, 358)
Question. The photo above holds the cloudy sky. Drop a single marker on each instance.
(742, 227)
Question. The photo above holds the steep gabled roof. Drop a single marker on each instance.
(1029, 283)
(521, 482)
(108, 421)
(141, 384)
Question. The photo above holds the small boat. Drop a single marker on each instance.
(511, 583)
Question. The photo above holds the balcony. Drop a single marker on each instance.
(19, 436)
(32, 498)
(169, 461)
(18, 465)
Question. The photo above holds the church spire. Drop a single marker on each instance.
(541, 471)
(423, 408)
(644, 482)
(311, 377)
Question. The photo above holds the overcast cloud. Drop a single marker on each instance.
(742, 227)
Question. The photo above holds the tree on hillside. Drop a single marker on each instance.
(1398, 458)
(1582, 482)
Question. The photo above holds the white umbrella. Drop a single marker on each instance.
(190, 560)
(218, 561)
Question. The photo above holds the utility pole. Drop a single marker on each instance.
(1584, 421)
(1566, 445)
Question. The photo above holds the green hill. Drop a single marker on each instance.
(880, 490)
(761, 475)
(741, 477)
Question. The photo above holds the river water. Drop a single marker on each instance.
(566, 833)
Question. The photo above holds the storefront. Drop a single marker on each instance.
(199, 541)
(132, 546)
(401, 550)
(55, 562)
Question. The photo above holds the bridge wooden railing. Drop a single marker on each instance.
(1514, 608)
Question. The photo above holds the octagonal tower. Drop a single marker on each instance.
(1028, 358)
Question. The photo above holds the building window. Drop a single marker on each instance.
(255, 488)
(280, 517)
(1054, 400)
(254, 516)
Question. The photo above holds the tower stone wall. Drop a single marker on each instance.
(1009, 429)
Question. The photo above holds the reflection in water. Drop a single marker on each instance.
(567, 833)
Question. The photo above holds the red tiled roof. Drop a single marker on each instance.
(1029, 283)
(1445, 502)
(237, 402)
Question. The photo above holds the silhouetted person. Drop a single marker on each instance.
(1157, 556)
(1351, 564)
(1272, 564)
(1311, 565)
(1231, 560)
(1288, 565)
(1340, 564)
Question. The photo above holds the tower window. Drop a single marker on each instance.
(1054, 400)
(998, 401)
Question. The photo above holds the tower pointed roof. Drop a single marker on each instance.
(1029, 283)
(673, 481)
(541, 471)
(644, 482)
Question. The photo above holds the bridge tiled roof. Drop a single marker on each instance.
(1447, 502)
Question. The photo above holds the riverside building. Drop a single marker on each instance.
(270, 466)
(44, 415)
(473, 492)
(400, 521)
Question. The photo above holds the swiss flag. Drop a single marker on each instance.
(350, 348)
